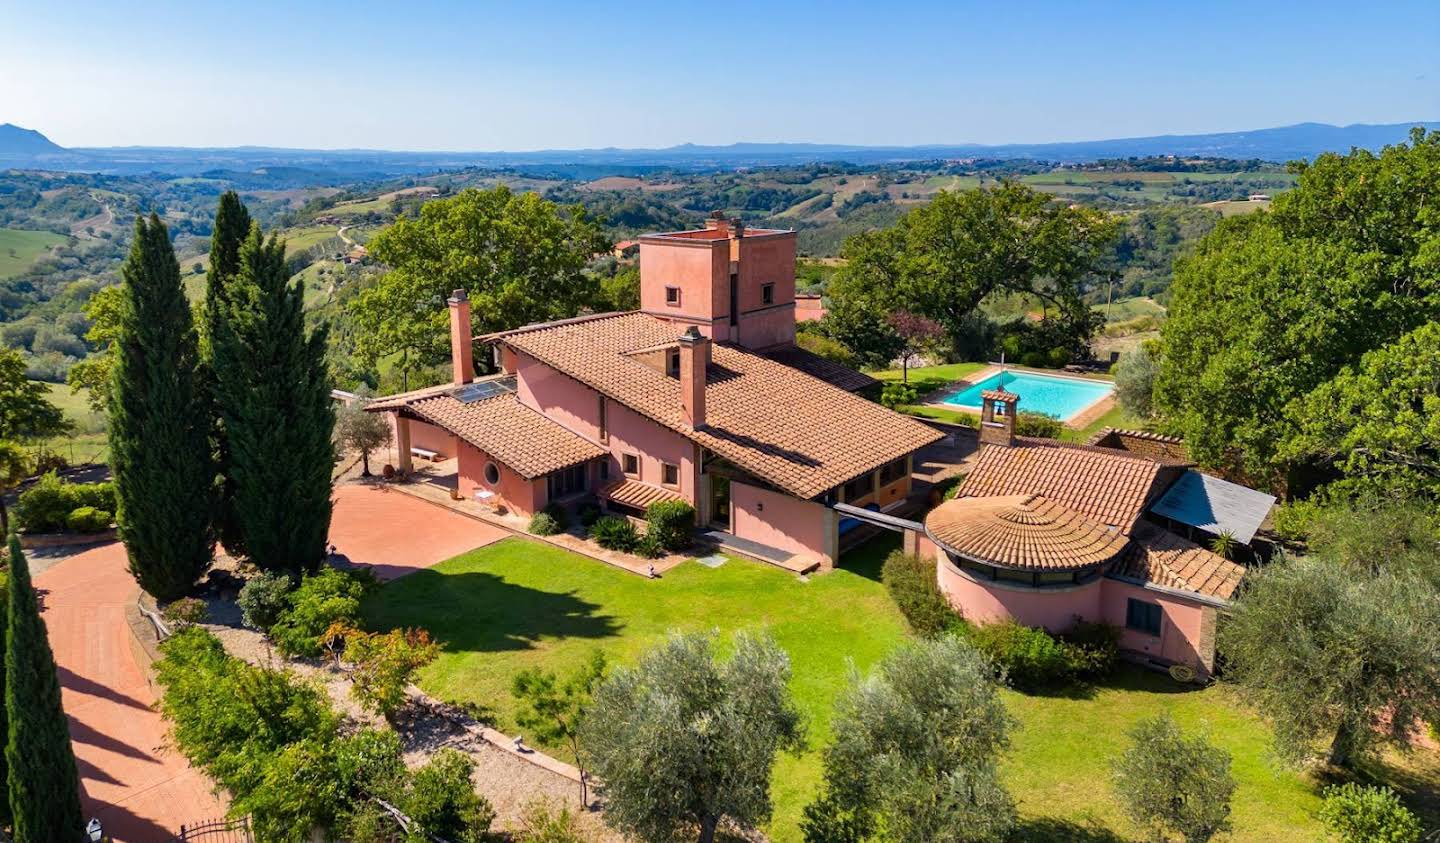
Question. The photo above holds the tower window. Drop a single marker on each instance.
(672, 296)
(672, 363)
(767, 293)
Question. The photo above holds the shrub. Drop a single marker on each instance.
(1135, 375)
(542, 822)
(386, 664)
(1358, 814)
(46, 506)
(671, 523)
(912, 585)
(187, 611)
(320, 600)
(88, 519)
(442, 800)
(614, 532)
(1029, 656)
(543, 524)
(589, 513)
(1092, 648)
(262, 599)
(558, 514)
(1037, 424)
(895, 394)
(649, 546)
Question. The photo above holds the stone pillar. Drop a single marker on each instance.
(830, 525)
(402, 443)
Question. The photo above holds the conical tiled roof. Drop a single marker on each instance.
(1025, 532)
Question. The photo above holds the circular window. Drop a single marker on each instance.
(492, 473)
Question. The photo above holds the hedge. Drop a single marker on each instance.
(671, 523)
(911, 581)
(46, 507)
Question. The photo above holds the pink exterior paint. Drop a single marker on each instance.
(427, 436)
(520, 495)
(701, 269)
(1186, 627)
(778, 520)
(577, 408)
(1181, 639)
(1055, 609)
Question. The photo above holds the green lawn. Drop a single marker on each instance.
(20, 248)
(518, 604)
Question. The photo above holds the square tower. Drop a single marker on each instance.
(736, 284)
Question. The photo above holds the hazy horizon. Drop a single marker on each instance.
(444, 76)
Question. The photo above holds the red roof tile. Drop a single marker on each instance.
(1025, 532)
(790, 429)
(1159, 556)
(507, 430)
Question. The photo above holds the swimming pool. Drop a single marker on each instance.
(1055, 396)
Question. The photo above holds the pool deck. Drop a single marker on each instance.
(1079, 421)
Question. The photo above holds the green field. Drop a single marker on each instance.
(88, 442)
(1122, 310)
(299, 239)
(20, 248)
(379, 203)
(519, 603)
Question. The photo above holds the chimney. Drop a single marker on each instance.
(694, 358)
(717, 221)
(998, 430)
(462, 351)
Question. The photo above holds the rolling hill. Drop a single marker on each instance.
(18, 142)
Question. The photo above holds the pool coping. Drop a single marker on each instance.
(1081, 420)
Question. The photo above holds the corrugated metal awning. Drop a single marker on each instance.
(1215, 506)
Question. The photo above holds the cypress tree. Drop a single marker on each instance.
(276, 410)
(232, 226)
(44, 788)
(4, 719)
(159, 443)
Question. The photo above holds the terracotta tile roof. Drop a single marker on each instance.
(816, 366)
(792, 430)
(1144, 443)
(1111, 487)
(1159, 556)
(400, 399)
(639, 495)
(1025, 532)
(507, 430)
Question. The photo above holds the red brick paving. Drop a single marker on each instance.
(140, 790)
(397, 534)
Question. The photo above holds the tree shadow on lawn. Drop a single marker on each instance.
(477, 611)
(1052, 829)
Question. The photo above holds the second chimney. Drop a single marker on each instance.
(694, 359)
(462, 342)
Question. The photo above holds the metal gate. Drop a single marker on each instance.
(218, 831)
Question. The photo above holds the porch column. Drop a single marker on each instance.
(830, 525)
(402, 442)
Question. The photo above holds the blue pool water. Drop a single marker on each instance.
(1053, 396)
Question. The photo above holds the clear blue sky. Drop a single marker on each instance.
(423, 74)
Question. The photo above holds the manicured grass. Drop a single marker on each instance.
(19, 248)
(518, 604)
(928, 378)
(1116, 417)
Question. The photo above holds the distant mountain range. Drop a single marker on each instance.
(30, 149)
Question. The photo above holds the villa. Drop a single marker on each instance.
(701, 395)
(1048, 534)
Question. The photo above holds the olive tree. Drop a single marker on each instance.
(1135, 381)
(916, 752)
(362, 431)
(684, 742)
(1170, 783)
(1336, 654)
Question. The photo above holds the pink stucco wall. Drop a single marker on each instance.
(520, 495)
(1181, 623)
(772, 326)
(701, 269)
(426, 435)
(1182, 636)
(1054, 609)
(577, 408)
(778, 520)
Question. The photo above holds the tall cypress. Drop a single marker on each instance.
(44, 787)
(273, 392)
(4, 718)
(160, 449)
(232, 226)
